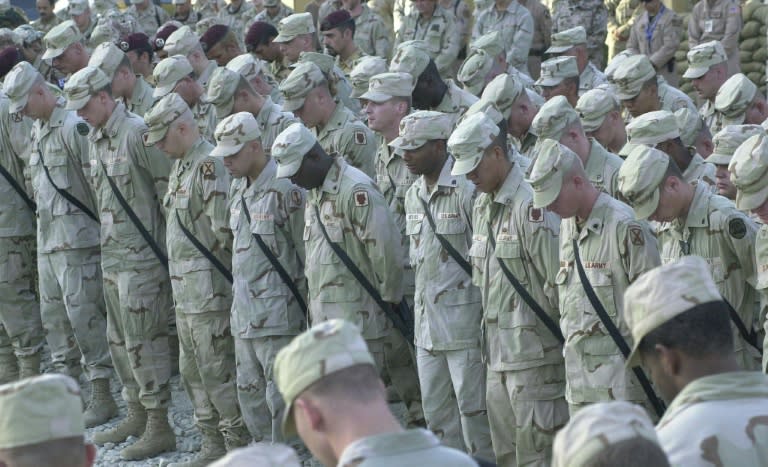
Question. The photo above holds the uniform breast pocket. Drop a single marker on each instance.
(326, 255)
(434, 38)
(717, 268)
(119, 172)
(602, 283)
(57, 164)
(266, 230)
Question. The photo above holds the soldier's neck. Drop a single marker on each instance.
(585, 208)
(502, 5)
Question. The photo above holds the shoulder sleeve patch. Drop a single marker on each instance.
(208, 168)
(636, 236)
(82, 128)
(737, 228)
(295, 198)
(361, 198)
(535, 214)
(360, 137)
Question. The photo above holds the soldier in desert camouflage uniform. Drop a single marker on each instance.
(436, 26)
(560, 77)
(573, 42)
(614, 249)
(237, 14)
(274, 11)
(256, 72)
(129, 88)
(739, 102)
(600, 114)
(136, 285)
(727, 141)
(707, 70)
(621, 16)
(71, 299)
(525, 378)
(184, 41)
(508, 94)
(149, 15)
(515, 23)
(371, 33)
(592, 15)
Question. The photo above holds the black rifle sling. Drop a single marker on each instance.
(396, 317)
(64, 193)
(532, 304)
(135, 220)
(658, 405)
(15, 185)
(460, 260)
(276, 263)
(205, 251)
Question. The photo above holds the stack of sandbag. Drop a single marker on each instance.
(752, 44)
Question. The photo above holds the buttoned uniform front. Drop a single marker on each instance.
(665, 30)
(265, 314)
(68, 255)
(717, 20)
(237, 17)
(447, 313)
(525, 362)
(21, 330)
(137, 289)
(371, 34)
(725, 237)
(347, 136)
(591, 78)
(197, 199)
(515, 24)
(141, 99)
(150, 18)
(592, 14)
(615, 249)
(440, 34)
(205, 116)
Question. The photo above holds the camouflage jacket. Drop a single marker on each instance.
(439, 32)
(141, 99)
(456, 101)
(272, 121)
(264, 17)
(516, 26)
(394, 179)
(410, 447)
(591, 14)
(346, 135)
(603, 168)
(701, 170)
(237, 19)
(371, 34)
(16, 218)
(590, 78)
(150, 19)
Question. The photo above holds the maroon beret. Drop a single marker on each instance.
(213, 36)
(335, 19)
(135, 41)
(9, 57)
(162, 36)
(258, 34)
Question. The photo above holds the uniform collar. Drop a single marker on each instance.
(337, 121)
(141, 92)
(510, 187)
(698, 213)
(389, 444)
(267, 174)
(595, 221)
(332, 182)
(112, 127)
(262, 118)
(445, 181)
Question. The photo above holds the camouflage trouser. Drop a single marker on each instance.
(260, 401)
(207, 367)
(525, 410)
(72, 307)
(21, 331)
(453, 390)
(138, 301)
(394, 357)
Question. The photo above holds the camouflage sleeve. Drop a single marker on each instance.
(468, 198)
(164, 16)
(542, 248)
(520, 45)
(374, 225)
(671, 37)
(546, 27)
(733, 24)
(214, 181)
(20, 133)
(382, 44)
(449, 49)
(156, 163)
(359, 148)
(598, 30)
(638, 248)
(294, 203)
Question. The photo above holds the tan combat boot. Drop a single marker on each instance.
(9, 368)
(213, 448)
(101, 406)
(158, 437)
(132, 425)
(29, 365)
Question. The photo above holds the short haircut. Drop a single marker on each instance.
(652, 81)
(245, 85)
(107, 89)
(704, 330)
(633, 452)
(358, 383)
(64, 452)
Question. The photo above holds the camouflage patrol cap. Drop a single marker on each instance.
(82, 85)
(303, 79)
(749, 172)
(17, 84)
(247, 66)
(106, 57)
(502, 92)
(702, 57)
(690, 124)
(28, 34)
(181, 42)
(169, 72)
(385, 86)
(555, 70)
(293, 26)
(728, 140)
(639, 178)
(363, 71)
(733, 99)
(474, 71)
(553, 118)
(565, 40)
(488, 108)
(614, 64)
(469, 141)
(77, 7)
(290, 147)
(652, 128)
(552, 162)
(411, 57)
(162, 115)
(221, 90)
(593, 106)
(260, 454)
(40, 409)
(491, 43)
(630, 76)
(595, 428)
(233, 132)
(325, 62)
(664, 292)
(59, 38)
(314, 354)
(422, 126)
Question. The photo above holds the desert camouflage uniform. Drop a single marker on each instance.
(410, 447)
(45, 27)
(761, 285)
(346, 135)
(664, 42)
(447, 313)
(526, 380)
(673, 99)
(238, 19)
(279, 69)
(149, 20)
(68, 256)
(456, 101)
(371, 34)
(614, 249)
(205, 8)
(516, 26)
(462, 14)
(137, 290)
(717, 20)
(590, 78)
(603, 168)
(272, 120)
(263, 16)
(591, 14)
(439, 32)
(265, 314)
(141, 98)
(542, 34)
(621, 16)
(205, 115)
(347, 65)
(701, 170)
(725, 237)
(21, 331)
